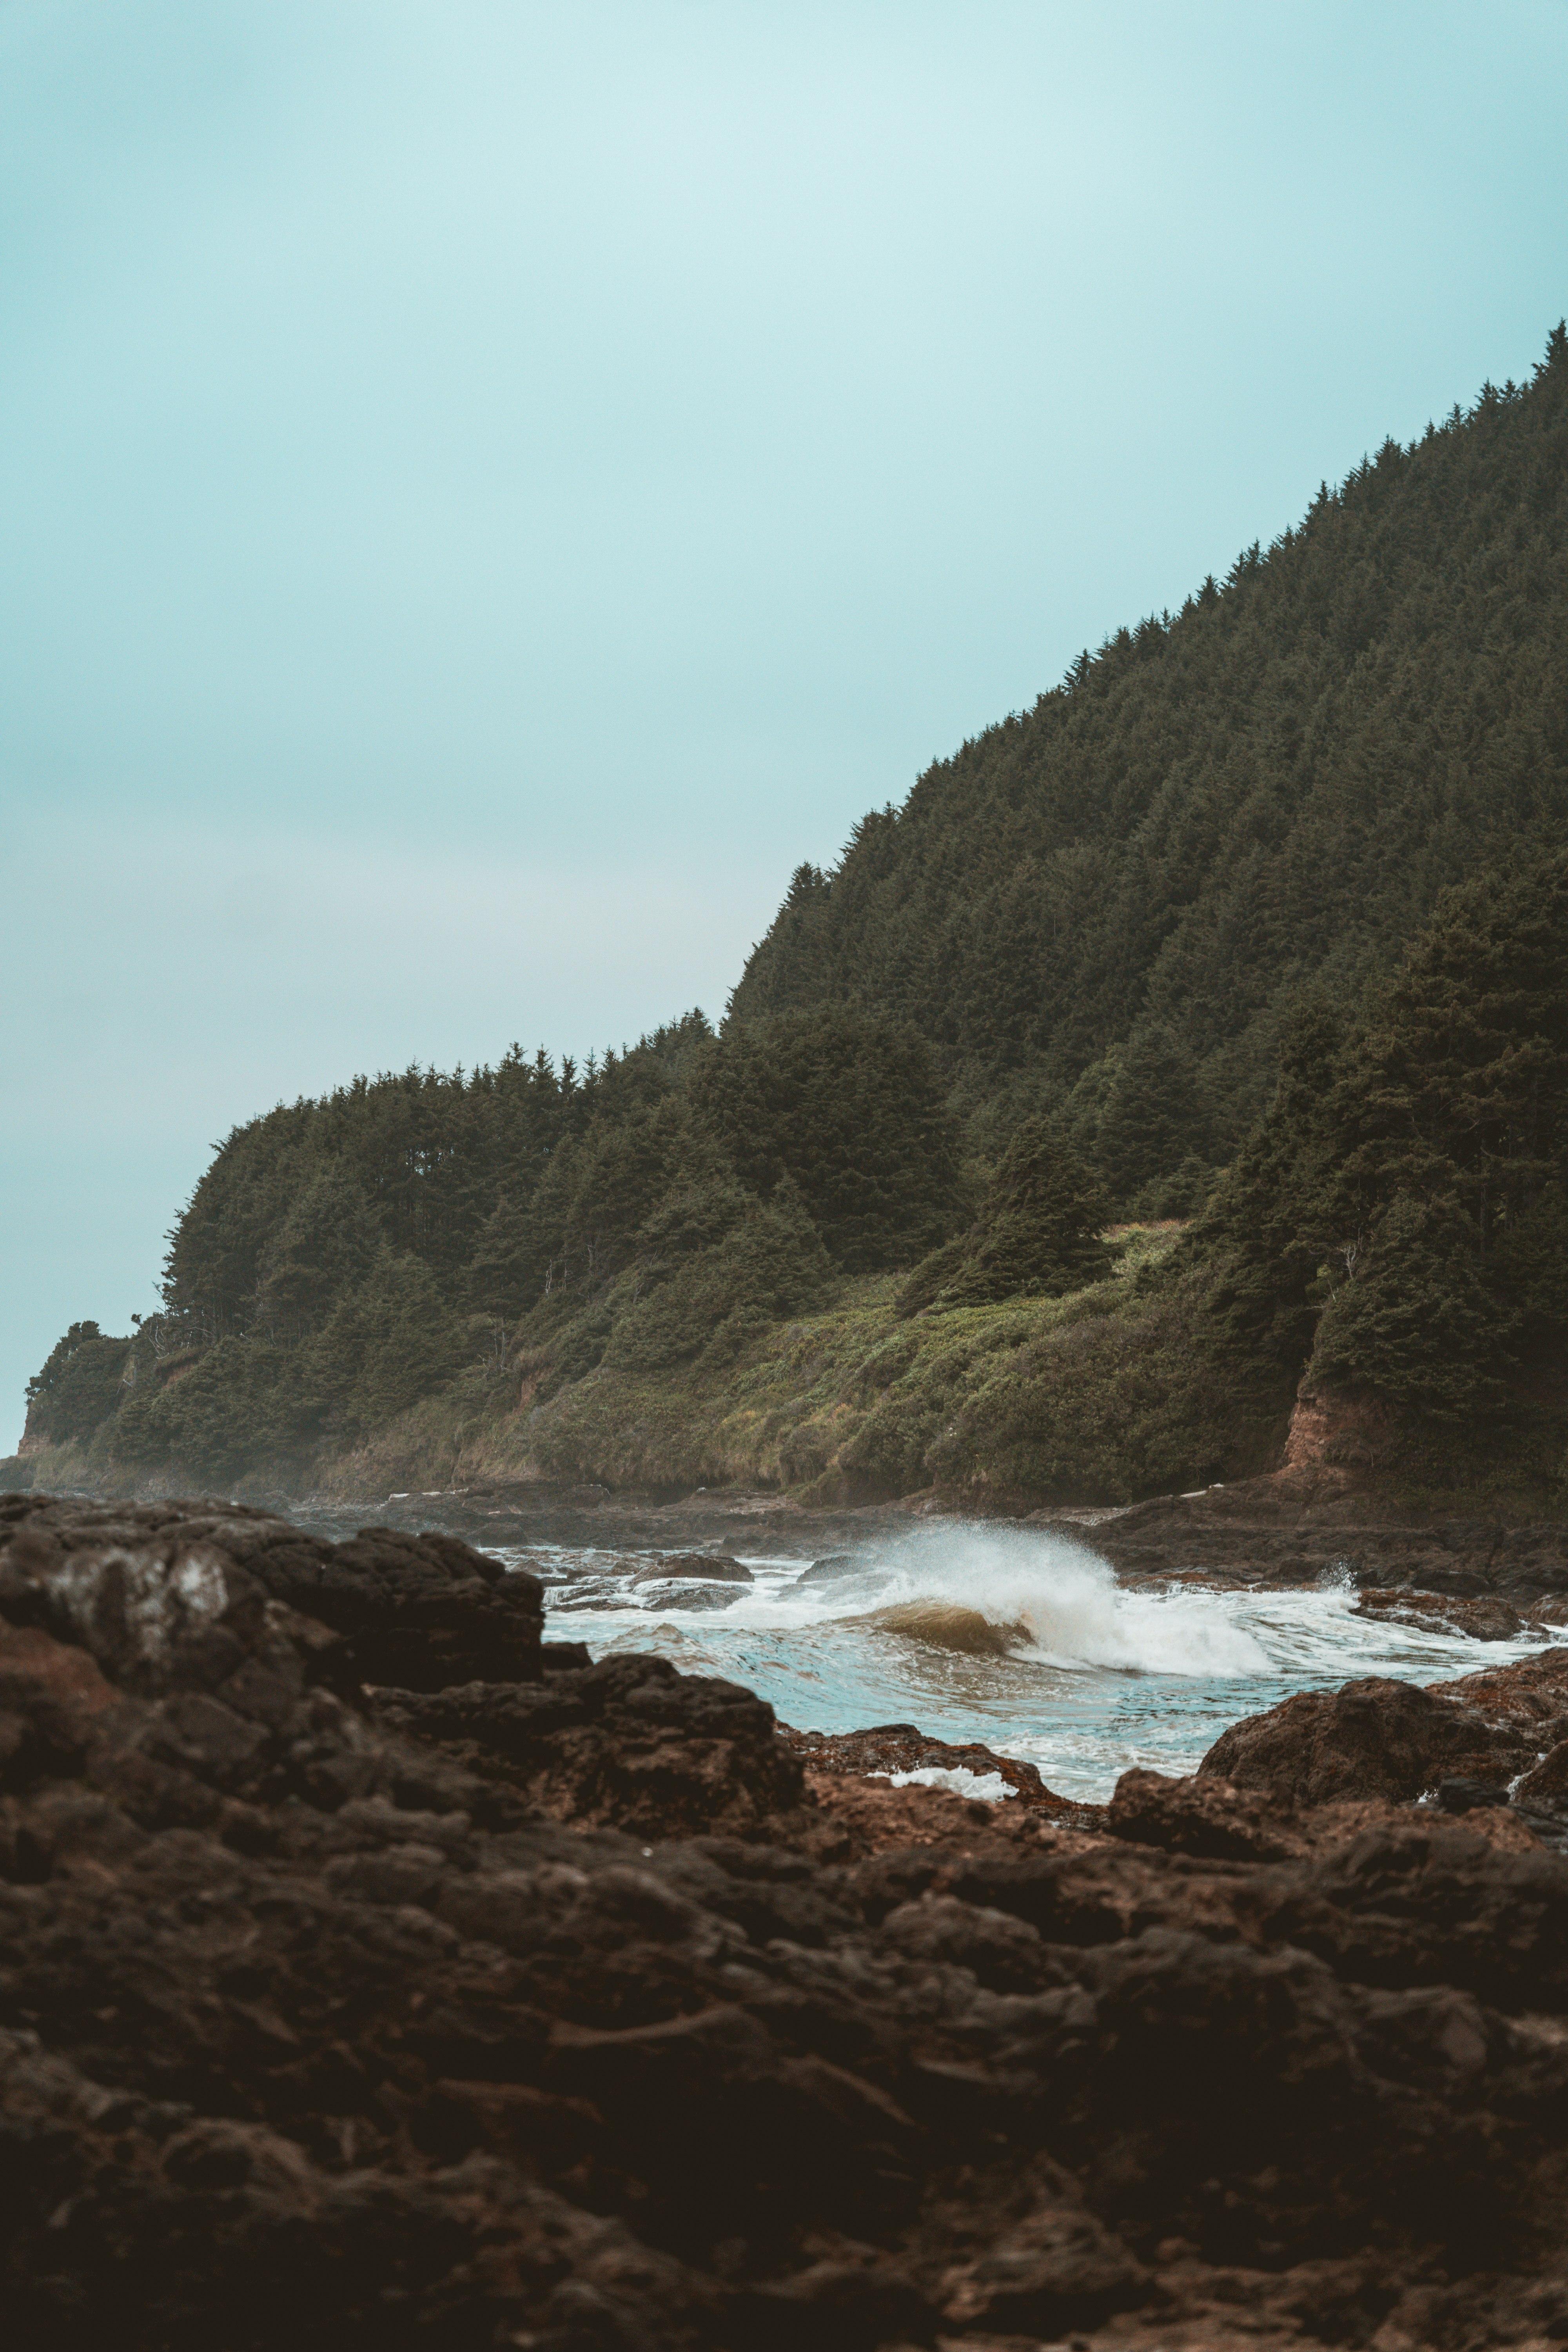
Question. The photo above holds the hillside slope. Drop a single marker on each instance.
(1125, 887)
(1260, 922)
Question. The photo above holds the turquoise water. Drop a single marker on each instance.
(1007, 1635)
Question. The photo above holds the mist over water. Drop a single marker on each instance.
(1009, 1635)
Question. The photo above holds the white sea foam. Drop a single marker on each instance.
(1059, 1597)
(1012, 1635)
(991, 1786)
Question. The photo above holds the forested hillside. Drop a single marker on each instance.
(341, 1260)
(1123, 890)
(1260, 922)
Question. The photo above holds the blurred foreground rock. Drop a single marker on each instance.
(373, 1973)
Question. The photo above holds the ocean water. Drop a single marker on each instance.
(1008, 1635)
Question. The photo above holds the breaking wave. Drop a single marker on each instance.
(991, 1592)
(1017, 1636)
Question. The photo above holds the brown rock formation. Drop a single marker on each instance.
(1393, 1740)
(551, 2007)
(1316, 1518)
(889, 1748)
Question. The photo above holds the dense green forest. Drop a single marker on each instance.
(1256, 923)
(1117, 897)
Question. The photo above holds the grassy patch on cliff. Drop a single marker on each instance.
(1099, 1395)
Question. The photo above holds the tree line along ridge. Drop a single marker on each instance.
(1248, 938)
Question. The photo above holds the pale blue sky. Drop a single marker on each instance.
(486, 489)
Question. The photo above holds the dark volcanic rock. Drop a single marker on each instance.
(1545, 1790)
(1460, 1793)
(713, 1568)
(1058, 2268)
(832, 1569)
(163, 1593)
(1197, 1816)
(628, 1740)
(1310, 1521)
(1384, 1738)
(1486, 1620)
(889, 1748)
(551, 2007)
(1394, 1739)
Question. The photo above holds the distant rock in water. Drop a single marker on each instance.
(688, 1594)
(713, 1568)
(699, 1580)
(833, 1568)
(1483, 1619)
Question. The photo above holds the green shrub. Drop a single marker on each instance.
(1110, 1406)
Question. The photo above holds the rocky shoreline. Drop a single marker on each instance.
(374, 1971)
(1311, 1518)
(1291, 1526)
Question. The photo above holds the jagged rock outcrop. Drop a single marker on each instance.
(1312, 1521)
(889, 1748)
(1379, 1737)
(158, 1592)
(1484, 1619)
(628, 1740)
(558, 2008)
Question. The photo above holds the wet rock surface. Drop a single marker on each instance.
(1309, 1521)
(527, 2002)
(709, 1567)
(1378, 1737)
(1483, 1620)
(628, 1740)
(889, 1748)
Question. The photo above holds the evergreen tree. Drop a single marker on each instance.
(325, 1242)
(847, 1103)
(1407, 1186)
(1530, 1268)
(1039, 1231)
(238, 1408)
(387, 1343)
(1154, 1116)
(1272, 787)
(499, 1280)
(78, 1384)
(770, 1263)
(1416, 1320)
(1264, 1234)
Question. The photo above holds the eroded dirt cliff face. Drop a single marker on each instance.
(373, 1973)
(1329, 1430)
